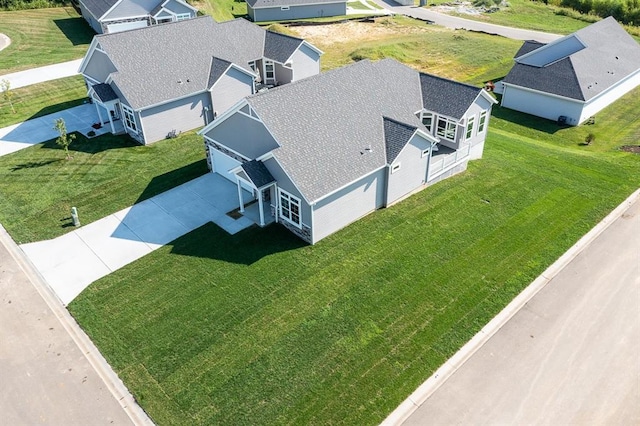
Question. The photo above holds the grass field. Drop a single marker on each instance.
(107, 173)
(258, 329)
(42, 99)
(42, 37)
(466, 56)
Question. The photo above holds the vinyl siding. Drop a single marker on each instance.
(541, 105)
(412, 173)
(348, 205)
(99, 66)
(181, 115)
(93, 23)
(178, 8)
(300, 12)
(229, 89)
(285, 183)
(131, 8)
(306, 62)
(283, 75)
(612, 94)
(481, 104)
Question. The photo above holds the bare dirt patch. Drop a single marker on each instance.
(631, 148)
(351, 31)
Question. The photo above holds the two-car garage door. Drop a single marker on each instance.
(123, 26)
(223, 163)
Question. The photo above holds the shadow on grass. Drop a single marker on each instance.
(94, 145)
(245, 248)
(51, 109)
(527, 120)
(169, 180)
(77, 30)
(33, 165)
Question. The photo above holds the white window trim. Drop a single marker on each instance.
(482, 123)
(127, 110)
(424, 153)
(468, 134)
(448, 122)
(273, 64)
(282, 193)
(182, 16)
(395, 167)
(427, 114)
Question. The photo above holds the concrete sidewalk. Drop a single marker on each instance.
(42, 74)
(455, 22)
(564, 351)
(73, 261)
(23, 135)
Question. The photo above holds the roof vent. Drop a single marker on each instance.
(179, 81)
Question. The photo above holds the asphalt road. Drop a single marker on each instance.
(467, 24)
(45, 378)
(570, 356)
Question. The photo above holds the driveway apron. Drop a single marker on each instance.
(73, 261)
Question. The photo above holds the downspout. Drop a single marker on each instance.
(433, 144)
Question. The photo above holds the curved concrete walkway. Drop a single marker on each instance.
(455, 22)
(5, 41)
(564, 351)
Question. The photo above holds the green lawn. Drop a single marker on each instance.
(42, 37)
(258, 329)
(42, 99)
(38, 186)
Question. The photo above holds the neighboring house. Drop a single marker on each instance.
(112, 16)
(320, 153)
(573, 77)
(282, 10)
(166, 79)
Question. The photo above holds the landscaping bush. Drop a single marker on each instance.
(30, 4)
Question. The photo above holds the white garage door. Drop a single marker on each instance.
(223, 163)
(116, 28)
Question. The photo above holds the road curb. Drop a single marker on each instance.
(426, 389)
(84, 343)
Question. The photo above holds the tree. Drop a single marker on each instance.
(7, 93)
(64, 140)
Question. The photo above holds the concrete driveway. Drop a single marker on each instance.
(570, 355)
(42, 74)
(73, 261)
(23, 135)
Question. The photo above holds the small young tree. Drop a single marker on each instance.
(589, 139)
(7, 93)
(65, 139)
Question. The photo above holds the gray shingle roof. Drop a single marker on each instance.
(396, 136)
(164, 62)
(447, 97)
(528, 46)
(104, 92)
(324, 124)
(218, 68)
(258, 173)
(609, 55)
(280, 47)
(279, 3)
(98, 7)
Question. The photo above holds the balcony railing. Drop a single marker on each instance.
(442, 163)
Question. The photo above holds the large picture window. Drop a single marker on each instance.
(183, 16)
(129, 119)
(482, 122)
(447, 129)
(290, 208)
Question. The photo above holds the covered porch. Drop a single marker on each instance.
(107, 107)
(254, 176)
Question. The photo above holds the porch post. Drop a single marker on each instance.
(240, 196)
(98, 111)
(260, 201)
(113, 131)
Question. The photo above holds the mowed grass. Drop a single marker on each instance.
(258, 329)
(42, 37)
(38, 186)
(42, 99)
(465, 56)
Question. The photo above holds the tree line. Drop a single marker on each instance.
(624, 11)
(30, 4)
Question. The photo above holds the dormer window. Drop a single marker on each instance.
(447, 129)
(427, 120)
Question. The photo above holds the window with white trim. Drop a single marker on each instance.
(129, 118)
(483, 120)
(424, 153)
(470, 122)
(446, 129)
(289, 208)
(396, 167)
(269, 73)
(427, 120)
(183, 16)
(252, 65)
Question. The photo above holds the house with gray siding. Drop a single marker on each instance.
(574, 77)
(112, 16)
(158, 81)
(284, 10)
(320, 153)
